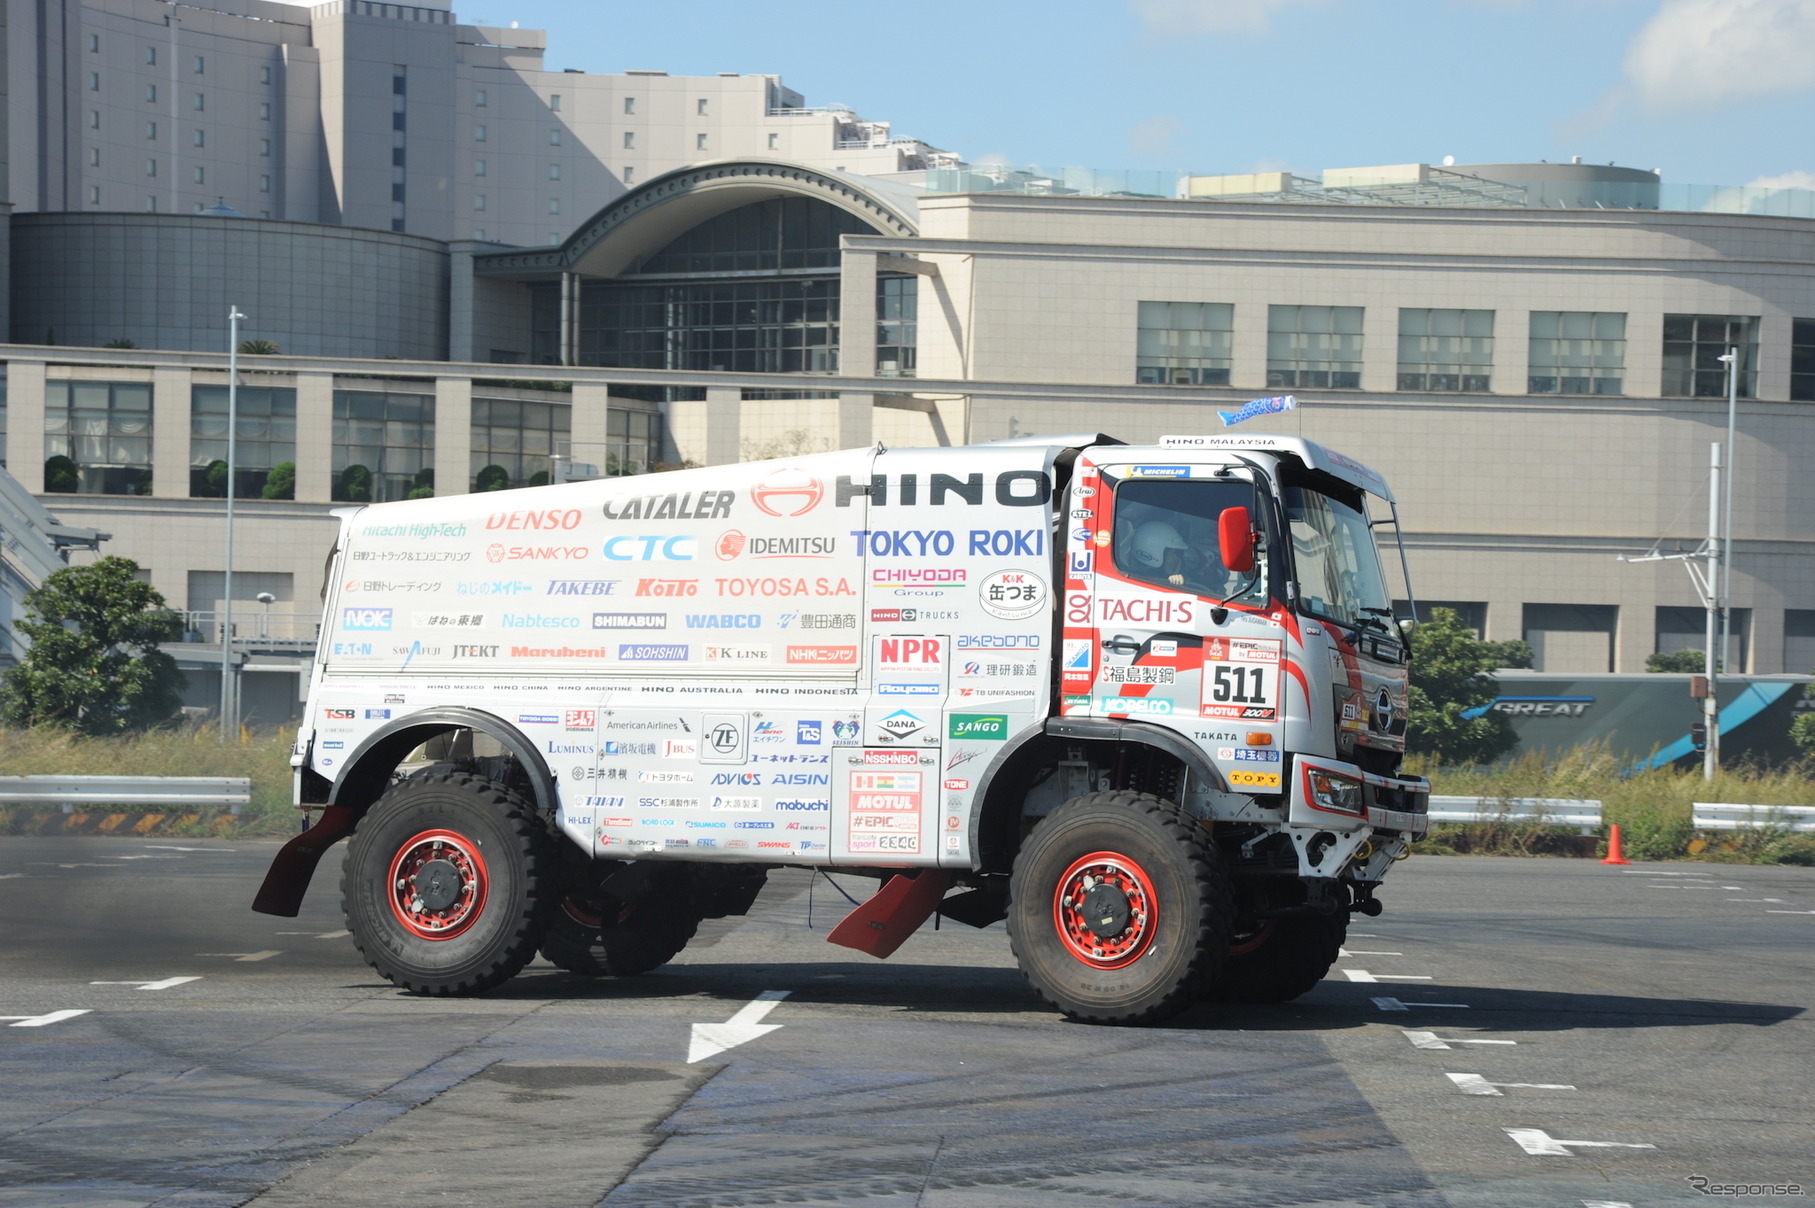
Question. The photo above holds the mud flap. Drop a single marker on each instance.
(288, 877)
(893, 913)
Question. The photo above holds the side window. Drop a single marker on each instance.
(1166, 535)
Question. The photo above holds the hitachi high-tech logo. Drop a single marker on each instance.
(788, 492)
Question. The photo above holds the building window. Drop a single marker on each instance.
(264, 111)
(479, 202)
(1572, 637)
(1472, 613)
(94, 195)
(94, 43)
(554, 103)
(94, 157)
(151, 130)
(1799, 640)
(398, 120)
(1686, 629)
(151, 167)
(1315, 347)
(94, 81)
(554, 137)
(699, 142)
(399, 80)
(478, 167)
(200, 65)
(151, 56)
(397, 157)
(554, 171)
(478, 134)
(897, 325)
(700, 107)
(478, 232)
(630, 176)
(201, 176)
(200, 139)
(264, 148)
(513, 442)
(94, 119)
(1447, 350)
(763, 326)
(630, 104)
(554, 205)
(397, 191)
(151, 93)
(1802, 360)
(151, 205)
(264, 184)
(201, 102)
(634, 441)
(97, 438)
(264, 75)
(1577, 352)
(479, 99)
(1184, 343)
(630, 140)
(1693, 345)
(384, 446)
(774, 142)
(264, 444)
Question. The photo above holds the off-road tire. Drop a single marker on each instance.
(1167, 908)
(1287, 957)
(646, 936)
(449, 884)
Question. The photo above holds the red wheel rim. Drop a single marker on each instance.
(1090, 881)
(1248, 943)
(437, 885)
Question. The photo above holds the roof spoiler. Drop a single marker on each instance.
(1067, 440)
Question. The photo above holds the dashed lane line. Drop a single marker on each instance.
(1475, 1084)
(1341, 952)
(1430, 1040)
(1395, 1004)
(1537, 1141)
(165, 984)
(1362, 975)
(247, 956)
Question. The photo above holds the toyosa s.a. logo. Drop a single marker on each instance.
(789, 492)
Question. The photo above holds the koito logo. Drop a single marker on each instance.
(552, 518)
(789, 492)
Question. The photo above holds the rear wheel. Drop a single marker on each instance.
(447, 884)
(599, 936)
(1283, 958)
(1119, 910)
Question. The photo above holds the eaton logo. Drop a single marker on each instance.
(365, 618)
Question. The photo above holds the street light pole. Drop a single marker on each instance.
(1710, 702)
(229, 695)
(1726, 535)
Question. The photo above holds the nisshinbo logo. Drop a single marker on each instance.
(365, 618)
(651, 549)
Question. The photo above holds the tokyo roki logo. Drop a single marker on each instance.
(787, 493)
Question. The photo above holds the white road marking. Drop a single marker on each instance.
(173, 847)
(247, 956)
(1755, 899)
(1430, 1040)
(711, 1038)
(1394, 1004)
(166, 984)
(1363, 952)
(1679, 887)
(1362, 975)
(1475, 1084)
(1636, 873)
(7, 876)
(142, 857)
(1537, 1141)
(1790, 912)
(1735, 888)
(39, 1021)
(54, 864)
(1605, 1204)
(333, 935)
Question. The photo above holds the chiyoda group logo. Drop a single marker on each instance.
(789, 492)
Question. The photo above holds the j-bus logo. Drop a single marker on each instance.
(789, 492)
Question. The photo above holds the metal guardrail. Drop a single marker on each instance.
(176, 792)
(1559, 811)
(1714, 815)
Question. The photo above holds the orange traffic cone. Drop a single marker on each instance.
(1614, 855)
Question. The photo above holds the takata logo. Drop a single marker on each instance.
(789, 492)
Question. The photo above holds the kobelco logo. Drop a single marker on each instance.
(789, 492)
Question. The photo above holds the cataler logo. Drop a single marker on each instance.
(789, 492)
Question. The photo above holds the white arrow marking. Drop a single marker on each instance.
(247, 956)
(1394, 1004)
(1537, 1141)
(746, 1025)
(166, 984)
(39, 1021)
(1429, 1040)
(1361, 952)
(1475, 1084)
(1362, 975)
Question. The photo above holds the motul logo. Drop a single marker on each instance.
(552, 518)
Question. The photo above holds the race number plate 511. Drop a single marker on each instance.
(1241, 678)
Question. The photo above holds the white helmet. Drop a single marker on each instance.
(1153, 541)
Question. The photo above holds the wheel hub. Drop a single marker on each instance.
(437, 885)
(1104, 910)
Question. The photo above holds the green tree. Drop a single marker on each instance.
(355, 485)
(1675, 660)
(94, 663)
(423, 485)
(1802, 733)
(492, 478)
(1513, 652)
(1452, 675)
(281, 482)
(60, 475)
(214, 479)
(259, 348)
(120, 342)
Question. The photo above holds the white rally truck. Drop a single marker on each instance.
(1146, 703)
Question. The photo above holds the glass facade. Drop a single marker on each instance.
(1314, 347)
(635, 442)
(1802, 360)
(772, 325)
(97, 438)
(1693, 345)
(1447, 350)
(513, 442)
(1576, 352)
(266, 439)
(384, 446)
(1185, 343)
(897, 323)
(787, 233)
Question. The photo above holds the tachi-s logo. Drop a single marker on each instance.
(789, 492)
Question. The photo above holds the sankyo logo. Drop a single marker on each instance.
(992, 727)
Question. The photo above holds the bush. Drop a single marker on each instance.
(60, 475)
(1678, 661)
(281, 482)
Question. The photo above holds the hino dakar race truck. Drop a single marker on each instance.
(1147, 704)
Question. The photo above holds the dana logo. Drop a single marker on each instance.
(901, 723)
(788, 492)
(365, 618)
(992, 727)
(678, 548)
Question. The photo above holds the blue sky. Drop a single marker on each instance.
(1708, 91)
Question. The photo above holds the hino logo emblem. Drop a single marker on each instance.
(1383, 710)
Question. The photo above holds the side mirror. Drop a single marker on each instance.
(1235, 536)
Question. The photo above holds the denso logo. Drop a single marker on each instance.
(536, 553)
(652, 548)
(365, 618)
(1145, 610)
(788, 492)
(552, 518)
(909, 652)
(1013, 489)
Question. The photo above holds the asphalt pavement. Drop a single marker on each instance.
(1510, 1033)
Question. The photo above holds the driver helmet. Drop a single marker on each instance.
(1158, 546)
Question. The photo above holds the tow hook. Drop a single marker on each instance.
(1370, 906)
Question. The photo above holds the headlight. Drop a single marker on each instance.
(1332, 792)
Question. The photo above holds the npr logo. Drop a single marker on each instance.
(910, 652)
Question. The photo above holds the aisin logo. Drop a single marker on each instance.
(789, 492)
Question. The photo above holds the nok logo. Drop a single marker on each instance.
(788, 492)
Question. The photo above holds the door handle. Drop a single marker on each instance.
(1121, 644)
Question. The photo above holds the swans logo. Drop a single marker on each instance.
(789, 492)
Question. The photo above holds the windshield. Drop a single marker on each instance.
(1165, 534)
(1339, 573)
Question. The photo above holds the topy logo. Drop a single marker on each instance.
(365, 618)
(789, 492)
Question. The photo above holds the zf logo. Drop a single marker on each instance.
(725, 738)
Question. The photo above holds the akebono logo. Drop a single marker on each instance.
(365, 618)
(711, 505)
(553, 518)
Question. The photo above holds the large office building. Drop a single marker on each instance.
(1528, 352)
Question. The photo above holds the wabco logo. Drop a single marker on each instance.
(365, 618)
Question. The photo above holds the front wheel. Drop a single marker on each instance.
(599, 936)
(1281, 959)
(1119, 909)
(448, 884)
